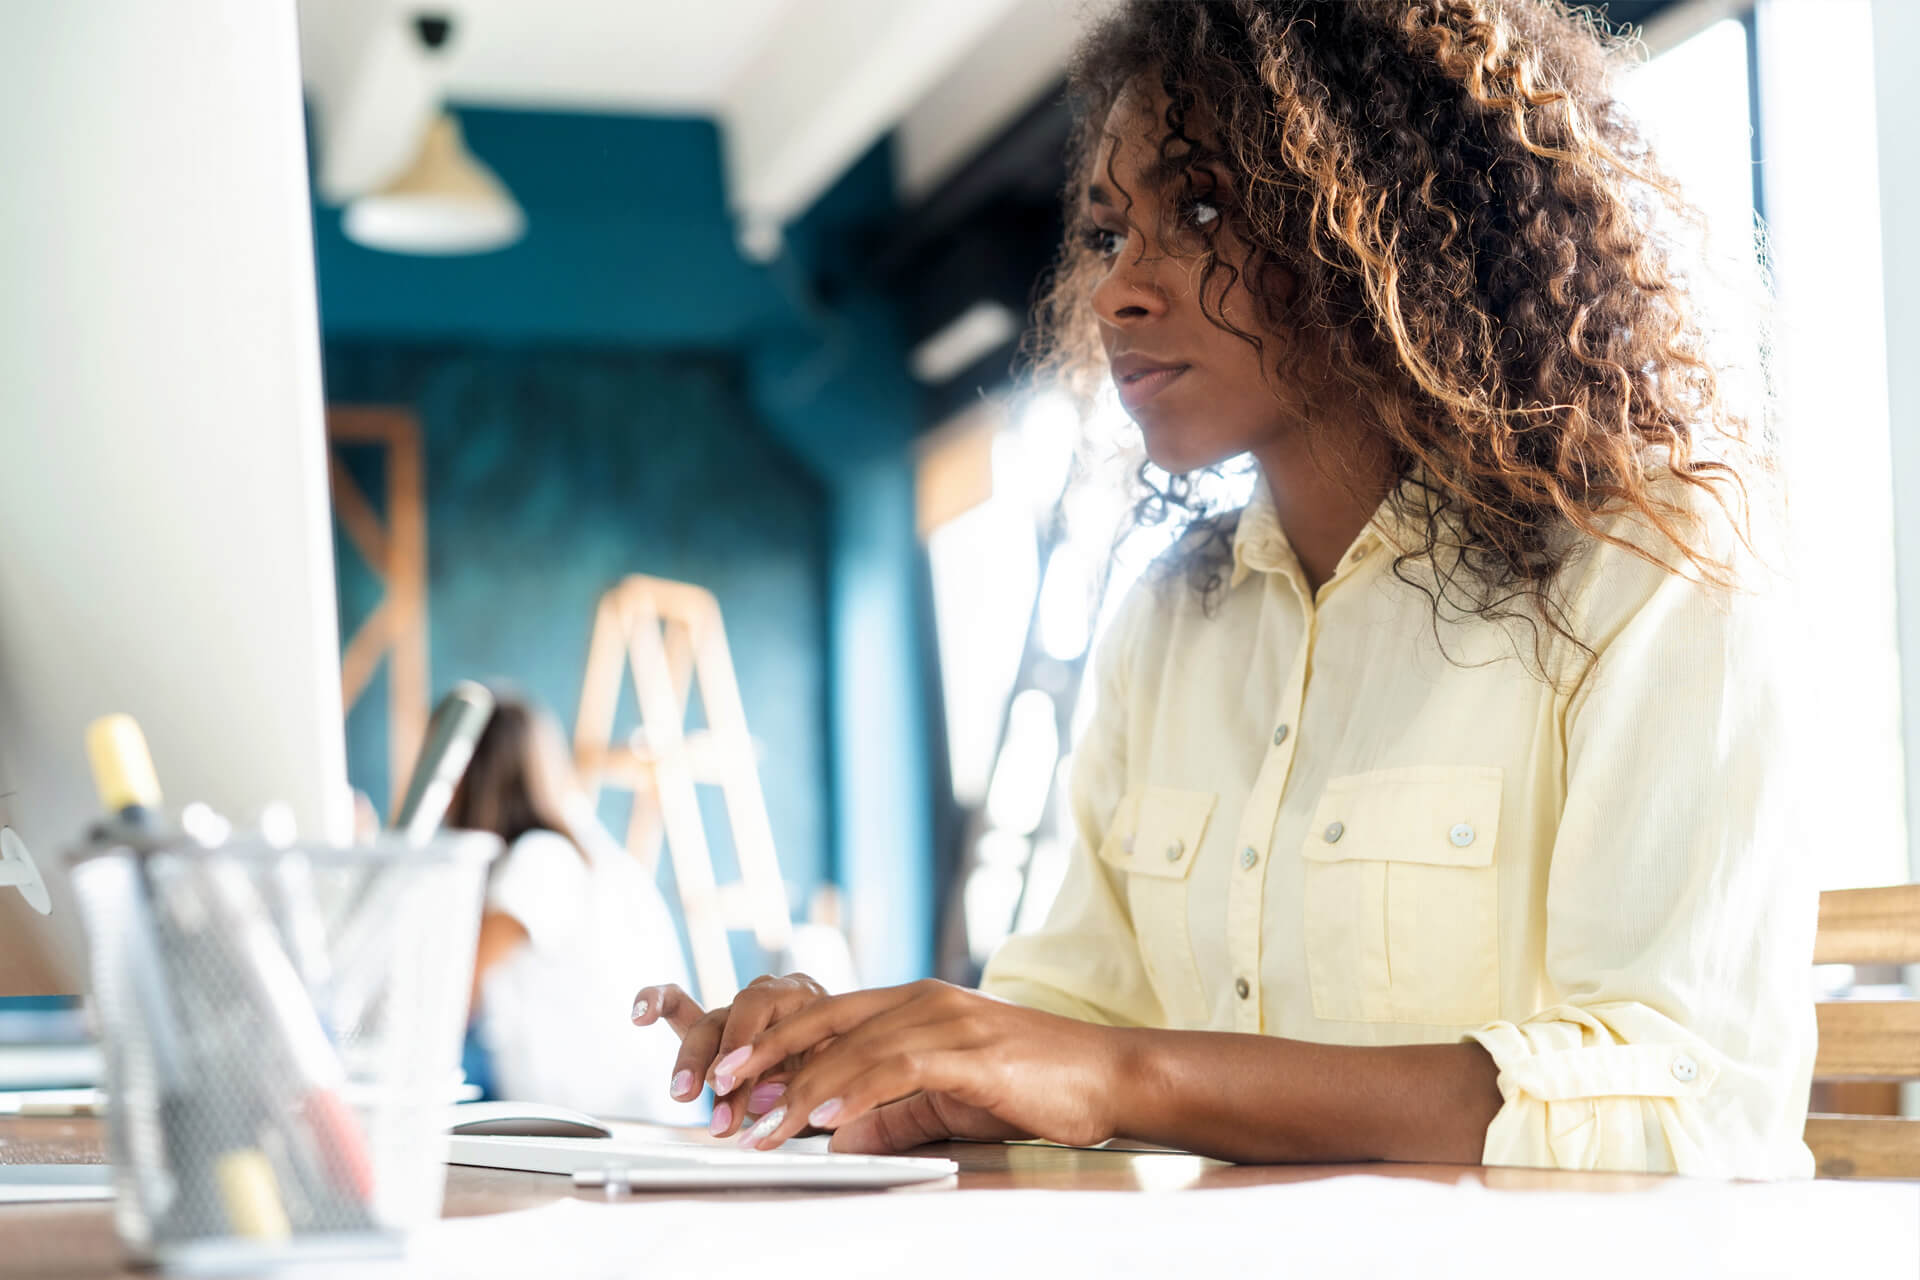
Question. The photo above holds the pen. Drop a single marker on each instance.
(456, 726)
(308, 1067)
(118, 885)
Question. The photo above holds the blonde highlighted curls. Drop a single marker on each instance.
(1474, 223)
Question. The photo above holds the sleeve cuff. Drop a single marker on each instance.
(1550, 1061)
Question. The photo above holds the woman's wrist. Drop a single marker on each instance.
(1262, 1098)
(1136, 1094)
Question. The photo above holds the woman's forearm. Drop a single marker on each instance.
(500, 936)
(1261, 1099)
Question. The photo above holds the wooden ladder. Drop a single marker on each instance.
(670, 636)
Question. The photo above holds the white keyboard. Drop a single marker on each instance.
(637, 1163)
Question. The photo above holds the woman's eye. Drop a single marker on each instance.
(1104, 242)
(1202, 213)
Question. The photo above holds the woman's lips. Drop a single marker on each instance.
(1138, 388)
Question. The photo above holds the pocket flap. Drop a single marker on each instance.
(1442, 816)
(1157, 832)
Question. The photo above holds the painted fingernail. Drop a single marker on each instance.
(764, 1096)
(640, 1008)
(822, 1116)
(764, 1130)
(723, 1070)
(722, 1117)
(683, 1085)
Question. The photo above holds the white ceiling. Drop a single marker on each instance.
(662, 57)
(800, 88)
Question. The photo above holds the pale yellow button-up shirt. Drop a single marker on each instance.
(1310, 815)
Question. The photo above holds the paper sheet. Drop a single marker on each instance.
(49, 1193)
(46, 1183)
(1358, 1225)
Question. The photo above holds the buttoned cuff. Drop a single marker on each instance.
(1550, 1062)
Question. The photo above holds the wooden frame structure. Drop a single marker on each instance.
(396, 551)
(670, 636)
(1867, 1040)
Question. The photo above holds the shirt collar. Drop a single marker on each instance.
(1260, 544)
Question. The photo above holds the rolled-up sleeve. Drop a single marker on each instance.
(1084, 961)
(1678, 1031)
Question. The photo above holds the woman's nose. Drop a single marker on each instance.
(1130, 291)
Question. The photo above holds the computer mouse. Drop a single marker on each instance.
(510, 1119)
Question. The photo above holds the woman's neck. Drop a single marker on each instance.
(1322, 505)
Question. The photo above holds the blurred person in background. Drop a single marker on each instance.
(571, 922)
(1439, 805)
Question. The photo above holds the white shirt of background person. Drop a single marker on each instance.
(554, 1014)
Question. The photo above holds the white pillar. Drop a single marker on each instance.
(1896, 33)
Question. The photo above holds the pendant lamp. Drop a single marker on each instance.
(447, 202)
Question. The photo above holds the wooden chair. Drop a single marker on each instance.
(1867, 1040)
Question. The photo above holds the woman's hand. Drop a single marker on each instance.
(900, 1066)
(708, 1039)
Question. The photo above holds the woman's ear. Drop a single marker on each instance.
(1279, 283)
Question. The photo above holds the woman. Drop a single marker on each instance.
(571, 920)
(1435, 808)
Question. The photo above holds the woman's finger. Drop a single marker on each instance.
(906, 1028)
(680, 1010)
(918, 1119)
(737, 1095)
(763, 1002)
(697, 1044)
(841, 1088)
(794, 1035)
(893, 1127)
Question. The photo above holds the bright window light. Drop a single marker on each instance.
(1017, 800)
(1047, 432)
(1692, 104)
(984, 567)
(990, 899)
(1045, 871)
(997, 848)
(1829, 360)
(1066, 604)
(1823, 208)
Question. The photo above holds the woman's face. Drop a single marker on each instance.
(1198, 391)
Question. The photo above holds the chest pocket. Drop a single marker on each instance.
(1402, 897)
(1155, 839)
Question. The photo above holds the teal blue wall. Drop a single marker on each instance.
(627, 241)
(551, 475)
(621, 392)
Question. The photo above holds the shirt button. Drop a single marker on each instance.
(1334, 831)
(1461, 835)
(1175, 849)
(1249, 856)
(1240, 988)
(1685, 1069)
(1279, 735)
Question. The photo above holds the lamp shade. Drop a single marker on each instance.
(447, 202)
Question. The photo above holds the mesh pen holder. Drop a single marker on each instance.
(282, 1030)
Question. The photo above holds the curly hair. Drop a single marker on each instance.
(1475, 223)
